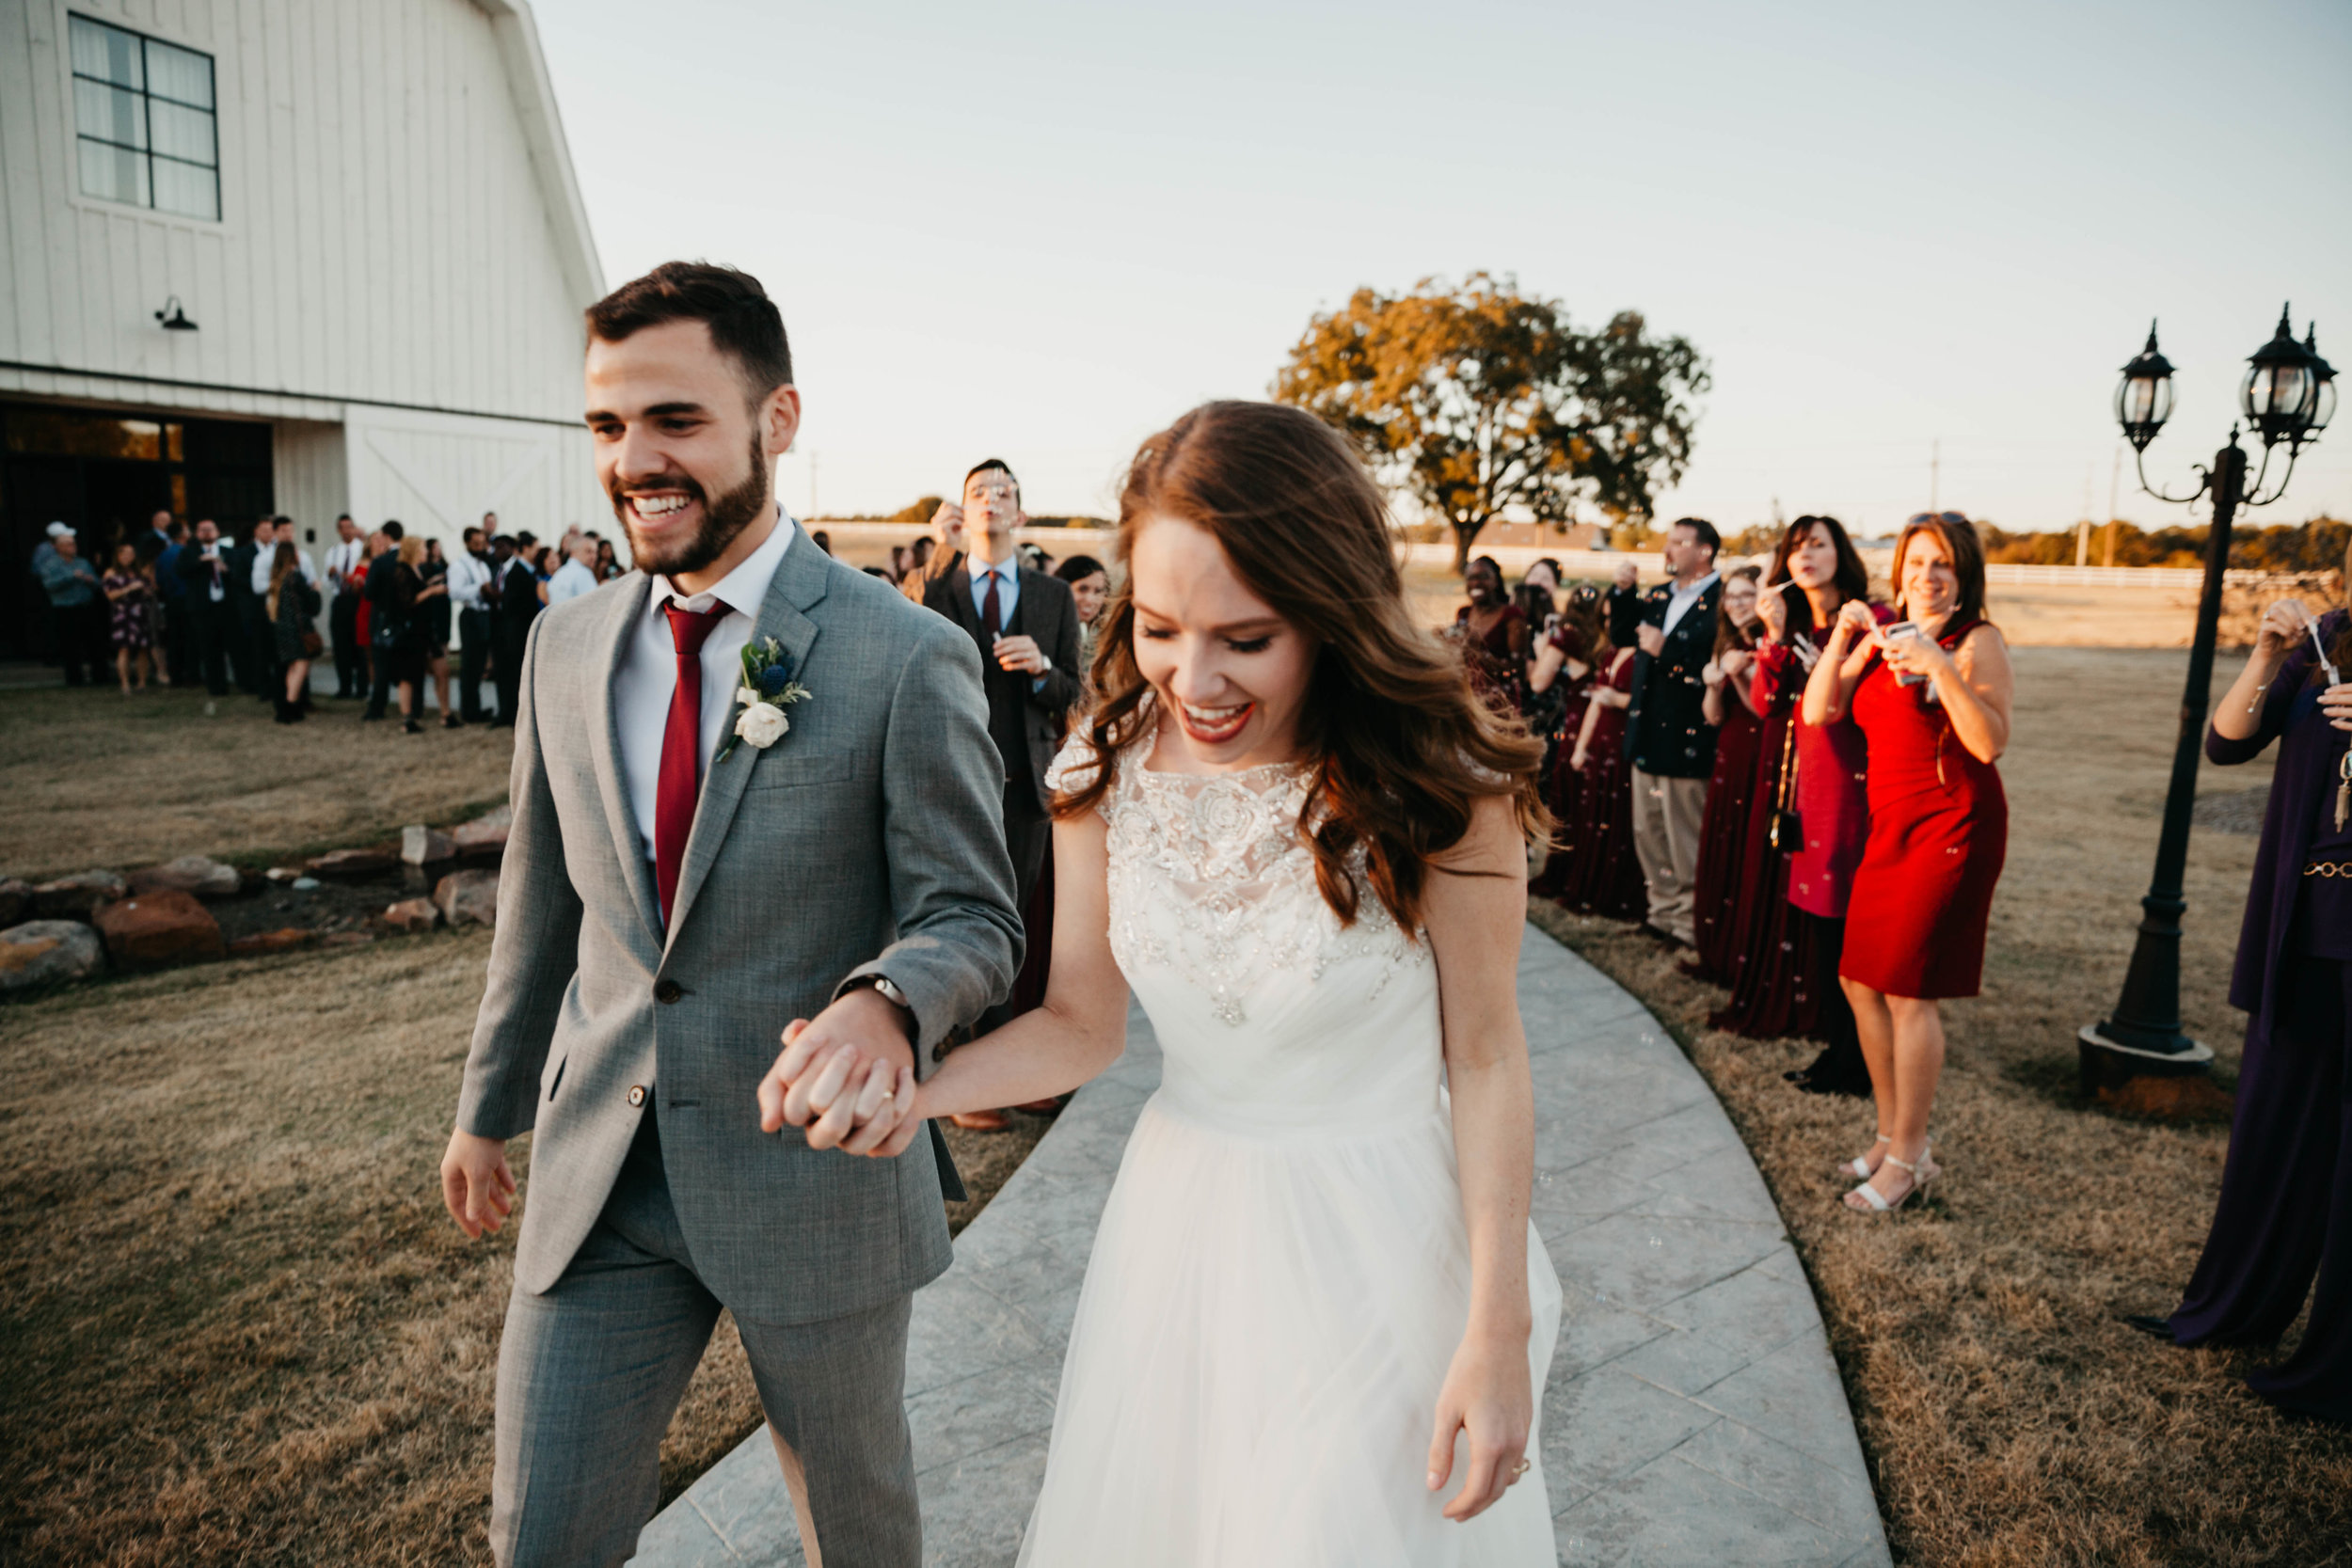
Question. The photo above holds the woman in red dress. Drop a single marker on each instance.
(1932, 697)
(1493, 633)
(1606, 877)
(1790, 923)
(1563, 668)
(1723, 830)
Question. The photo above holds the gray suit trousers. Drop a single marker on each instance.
(591, 1371)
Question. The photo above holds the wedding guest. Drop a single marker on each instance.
(346, 571)
(175, 648)
(576, 575)
(294, 606)
(405, 640)
(437, 615)
(204, 572)
(935, 558)
(822, 540)
(1025, 626)
(1668, 740)
(383, 619)
(71, 587)
(1788, 928)
(1089, 583)
(1933, 702)
(468, 576)
(518, 606)
(1605, 873)
(129, 616)
(1559, 687)
(897, 571)
(608, 565)
(1494, 636)
(2282, 1229)
(1728, 705)
(253, 658)
(1625, 605)
(150, 545)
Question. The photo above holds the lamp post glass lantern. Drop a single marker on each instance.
(2288, 395)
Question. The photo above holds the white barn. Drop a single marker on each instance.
(365, 214)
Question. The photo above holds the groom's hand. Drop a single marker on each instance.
(846, 1075)
(475, 1182)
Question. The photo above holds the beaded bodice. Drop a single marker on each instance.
(1263, 1001)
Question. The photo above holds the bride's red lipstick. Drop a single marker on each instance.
(1216, 735)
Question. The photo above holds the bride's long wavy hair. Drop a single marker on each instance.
(1399, 747)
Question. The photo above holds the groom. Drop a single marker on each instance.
(668, 903)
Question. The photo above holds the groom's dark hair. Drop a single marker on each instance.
(994, 464)
(745, 323)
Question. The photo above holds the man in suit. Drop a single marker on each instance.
(204, 569)
(346, 575)
(1667, 736)
(514, 593)
(468, 575)
(667, 905)
(248, 616)
(1025, 626)
(375, 586)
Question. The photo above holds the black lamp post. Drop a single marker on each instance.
(2288, 396)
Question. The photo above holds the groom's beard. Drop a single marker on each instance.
(723, 517)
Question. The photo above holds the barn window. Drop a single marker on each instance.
(143, 119)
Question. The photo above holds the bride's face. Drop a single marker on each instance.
(1230, 671)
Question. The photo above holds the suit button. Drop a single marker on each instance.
(667, 991)
(637, 1094)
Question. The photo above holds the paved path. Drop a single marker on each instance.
(1694, 1415)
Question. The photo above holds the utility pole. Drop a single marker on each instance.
(2082, 529)
(2115, 477)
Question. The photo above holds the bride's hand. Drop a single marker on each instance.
(1487, 1394)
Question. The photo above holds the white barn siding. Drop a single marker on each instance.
(311, 479)
(400, 240)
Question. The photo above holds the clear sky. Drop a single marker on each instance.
(1042, 232)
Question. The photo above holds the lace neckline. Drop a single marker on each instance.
(1276, 772)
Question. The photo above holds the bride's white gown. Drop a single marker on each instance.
(1282, 1273)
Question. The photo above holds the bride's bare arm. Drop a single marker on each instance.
(1080, 1029)
(1474, 911)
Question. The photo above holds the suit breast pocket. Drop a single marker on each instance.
(786, 771)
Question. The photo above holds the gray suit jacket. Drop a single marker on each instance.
(869, 839)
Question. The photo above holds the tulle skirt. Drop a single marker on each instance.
(1254, 1366)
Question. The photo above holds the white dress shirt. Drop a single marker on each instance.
(570, 581)
(643, 685)
(468, 575)
(264, 562)
(344, 563)
(1679, 600)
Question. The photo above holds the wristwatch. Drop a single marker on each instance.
(889, 990)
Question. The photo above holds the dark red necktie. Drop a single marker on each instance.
(680, 783)
(992, 609)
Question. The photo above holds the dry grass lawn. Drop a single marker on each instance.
(95, 778)
(235, 1326)
(2011, 1418)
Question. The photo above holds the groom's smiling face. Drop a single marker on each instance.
(682, 447)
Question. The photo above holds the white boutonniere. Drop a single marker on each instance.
(767, 690)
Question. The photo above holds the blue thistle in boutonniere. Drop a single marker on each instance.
(767, 690)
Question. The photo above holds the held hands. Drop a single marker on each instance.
(2336, 702)
(1652, 641)
(2283, 624)
(1735, 664)
(1853, 620)
(1712, 674)
(1485, 1396)
(848, 1076)
(1772, 609)
(1912, 654)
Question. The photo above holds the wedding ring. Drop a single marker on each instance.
(1521, 1468)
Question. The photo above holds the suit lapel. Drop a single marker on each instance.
(798, 585)
(605, 740)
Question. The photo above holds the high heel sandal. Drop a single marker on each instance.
(1860, 1164)
(1925, 1171)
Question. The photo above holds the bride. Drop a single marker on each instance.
(1315, 1303)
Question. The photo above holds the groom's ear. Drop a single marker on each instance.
(779, 417)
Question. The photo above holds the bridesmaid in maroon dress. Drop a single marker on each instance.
(1784, 948)
(1574, 650)
(1493, 633)
(1723, 830)
(1934, 704)
(1606, 877)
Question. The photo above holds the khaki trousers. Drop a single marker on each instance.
(1667, 814)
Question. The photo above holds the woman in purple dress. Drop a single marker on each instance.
(1493, 632)
(129, 616)
(1723, 830)
(1560, 685)
(1786, 943)
(2285, 1213)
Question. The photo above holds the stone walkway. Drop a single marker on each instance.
(1694, 1415)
